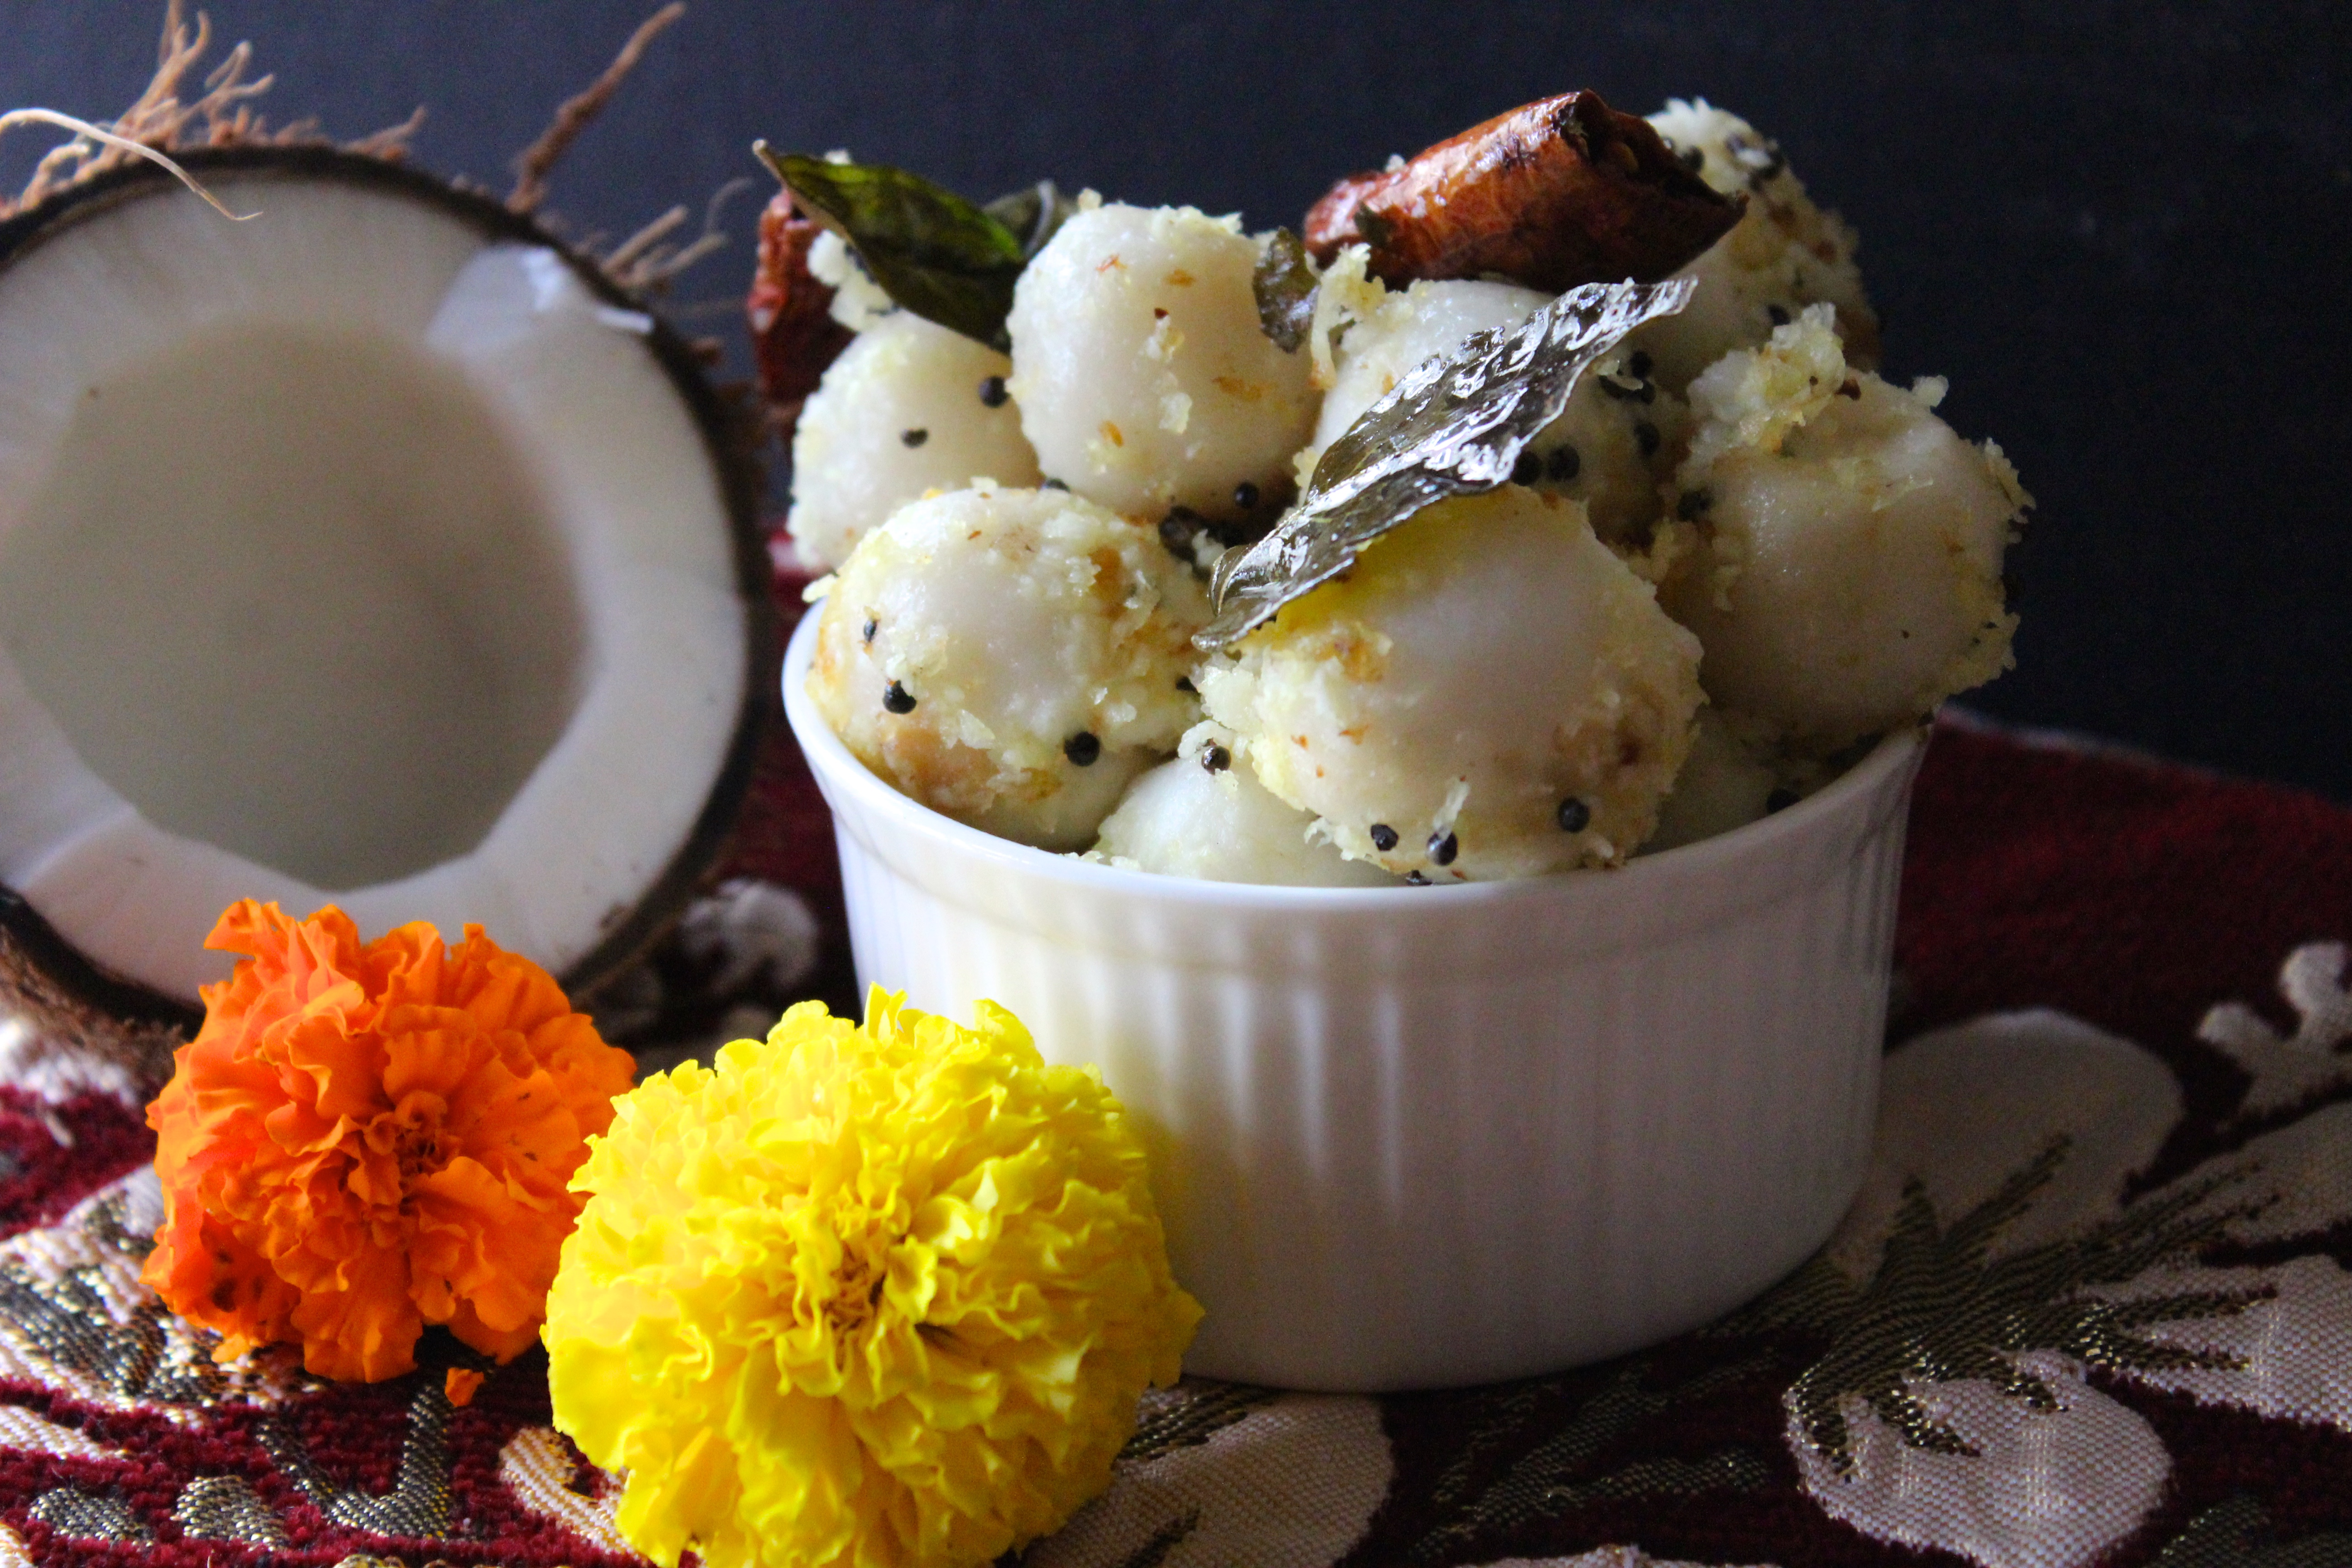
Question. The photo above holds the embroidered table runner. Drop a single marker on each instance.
(2093, 1305)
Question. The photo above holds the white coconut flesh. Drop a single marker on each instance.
(347, 554)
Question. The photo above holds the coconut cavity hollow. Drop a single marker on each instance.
(369, 550)
(307, 547)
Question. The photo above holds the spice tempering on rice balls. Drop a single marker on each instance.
(900, 412)
(1848, 574)
(1784, 253)
(1187, 818)
(971, 640)
(1144, 379)
(1729, 556)
(1479, 667)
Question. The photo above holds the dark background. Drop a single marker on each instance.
(2124, 231)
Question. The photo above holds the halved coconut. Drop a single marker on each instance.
(376, 551)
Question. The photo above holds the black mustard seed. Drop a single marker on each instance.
(898, 699)
(1564, 464)
(1082, 749)
(992, 391)
(1575, 817)
(1384, 838)
(1444, 847)
(1216, 760)
(914, 438)
(1245, 496)
(1527, 469)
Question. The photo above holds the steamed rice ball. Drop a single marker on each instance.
(1144, 380)
(1784, 253)
(1723, 785)
(909, 407)
(1489, 693)
(1010, 657)
(1611, 446)
(1848, 574)
(1205, 815)
(1407, 326)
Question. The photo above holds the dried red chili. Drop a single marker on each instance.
(794, 335)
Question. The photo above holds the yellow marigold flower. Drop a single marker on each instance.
(881, 1295)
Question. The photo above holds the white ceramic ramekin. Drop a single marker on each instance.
(1425, 1137)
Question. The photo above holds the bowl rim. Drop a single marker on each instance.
(835, 767)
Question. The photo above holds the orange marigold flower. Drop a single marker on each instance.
(364, 1139)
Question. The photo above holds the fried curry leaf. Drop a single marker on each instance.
(933, 252)
(1285, 284)
(1453, 427)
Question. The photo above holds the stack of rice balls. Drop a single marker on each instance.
(1736, 560)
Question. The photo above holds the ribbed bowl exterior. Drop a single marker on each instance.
(1425, 1137)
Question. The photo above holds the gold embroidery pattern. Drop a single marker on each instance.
(223, 1508)
(1941, 1308)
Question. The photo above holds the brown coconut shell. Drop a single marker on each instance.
(76, 1002)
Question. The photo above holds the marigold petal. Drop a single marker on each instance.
(814, 1489)
(228, 1286)
(429, 1051)
(366, 1330)
(699, 1510)
(500, 990)
(275, 942)
(213, 1085)
(324, 1065)
(408, 967)
(475, 1245)
(523, 1129)
(501, 1345)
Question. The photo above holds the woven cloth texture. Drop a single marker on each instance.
(2093, 1307)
